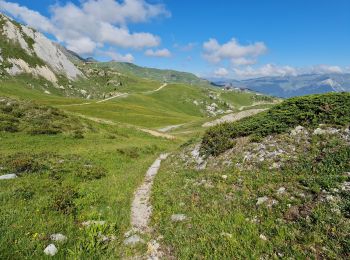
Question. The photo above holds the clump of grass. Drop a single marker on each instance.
(310, 111)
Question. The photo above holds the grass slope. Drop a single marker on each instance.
(171, 76)
(65, 180)
(332, 108)
(282, 195)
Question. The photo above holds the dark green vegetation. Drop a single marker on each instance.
(310, 111)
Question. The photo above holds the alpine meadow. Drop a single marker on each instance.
(139, 129)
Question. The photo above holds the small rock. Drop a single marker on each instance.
(261, 200)
(153, 247)
(263, 237)
(51, 250)
(297, 130)
(133, 240)
(281, 190)
(275, 165)
(178, 217)
(345, 186)
(58, 237)
(319, 131)
(8, 176)
(224, 177)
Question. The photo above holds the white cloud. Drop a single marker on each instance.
(264, 71)
(243, 61)
(93, 23)
(221, 72)
(163, 53)
(82, 45)
(118, 57)
(33, 18)
(112, 11)
(321, 69)
(233, 51)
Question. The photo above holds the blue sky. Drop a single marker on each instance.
(228, 38)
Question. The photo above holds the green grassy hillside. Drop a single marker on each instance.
(270, 189)
(67, 177)
(170, 76)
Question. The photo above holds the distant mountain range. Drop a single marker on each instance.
(289, 86)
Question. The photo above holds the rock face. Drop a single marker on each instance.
(35, 44)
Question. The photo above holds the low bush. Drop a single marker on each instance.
(63, 201)
(21, 163)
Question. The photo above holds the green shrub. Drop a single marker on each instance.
(90, 172)
(78, 134)
(24, 163)
(63, 201)
(44, 130)
(309, 111)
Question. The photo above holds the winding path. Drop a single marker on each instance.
(233, 117)
(113, 97)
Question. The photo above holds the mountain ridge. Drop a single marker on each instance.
(289, 86)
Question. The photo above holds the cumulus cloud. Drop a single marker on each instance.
(118, 57)
(162, 53)
(135, 11)
(32, 18)
(93, 23)
(233, 51)
(221, 72)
